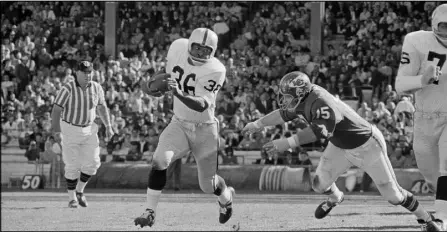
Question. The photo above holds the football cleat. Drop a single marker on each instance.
(226, 210)
(433, 225)
(81, 199)
(73, 204)
(146, 219)
(324, 208)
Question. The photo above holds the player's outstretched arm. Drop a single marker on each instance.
(322, 125)
(271, 119)
(303, 137)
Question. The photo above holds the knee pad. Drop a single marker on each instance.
(157, 179)
(391, 192)
(161, 160)
(218, 185)
(441, 190)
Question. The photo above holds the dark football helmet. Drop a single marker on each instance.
(293, 88)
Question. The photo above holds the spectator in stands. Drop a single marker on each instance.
(265, 159)
(134, 154)
(33, 152)
(10, 129)
(277, 160)
(397, 159)
(260, 42)
(303, 159)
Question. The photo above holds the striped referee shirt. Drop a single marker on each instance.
(79, 106)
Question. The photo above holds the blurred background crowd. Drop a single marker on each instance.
(258, 43)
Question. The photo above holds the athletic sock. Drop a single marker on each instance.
(152, 198)
(334, 194)
(82, 183)
(412, 204)
(71, 186)
(225, 197)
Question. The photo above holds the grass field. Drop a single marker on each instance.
(195, 211)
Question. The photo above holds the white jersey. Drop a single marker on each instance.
(204, 81)
(421, 49)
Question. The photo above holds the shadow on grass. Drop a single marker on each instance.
(366, 228)
(398, 213)
(344, 214)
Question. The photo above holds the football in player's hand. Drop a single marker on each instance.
(157, 85)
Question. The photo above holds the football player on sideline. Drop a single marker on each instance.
(423, 71)
(352, 141)
(196, 77)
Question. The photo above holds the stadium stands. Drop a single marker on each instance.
(259, 42)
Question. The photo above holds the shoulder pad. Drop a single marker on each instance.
(179, 44)
(417, 36)
(214, 65)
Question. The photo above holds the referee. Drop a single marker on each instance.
(74, 112)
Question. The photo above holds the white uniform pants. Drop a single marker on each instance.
(371, 157)
(430, 145)
(80, 150)
(201, 139)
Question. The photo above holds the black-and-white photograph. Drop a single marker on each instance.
(223, 116)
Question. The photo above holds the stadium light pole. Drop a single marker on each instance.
(316, 28)
(111, 26)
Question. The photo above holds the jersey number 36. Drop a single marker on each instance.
(183, 83)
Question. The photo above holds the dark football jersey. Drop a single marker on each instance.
(331, 118)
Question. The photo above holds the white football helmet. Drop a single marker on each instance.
(439, 16)
(205, 38)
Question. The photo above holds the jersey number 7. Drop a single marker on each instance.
(441, 60)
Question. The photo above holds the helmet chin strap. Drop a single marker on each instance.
(440, 39)
(195, 61)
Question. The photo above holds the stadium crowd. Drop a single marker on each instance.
(258, 43)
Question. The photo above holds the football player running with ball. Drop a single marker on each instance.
(352, 141)
(423, 71)
(195, 79)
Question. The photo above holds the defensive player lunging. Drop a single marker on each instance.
(196, 77)
(423, 70)
(352, 141)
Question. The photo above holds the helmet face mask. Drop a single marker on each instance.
(200, 53)
(293, 88)
(202, 45)
(442, 30)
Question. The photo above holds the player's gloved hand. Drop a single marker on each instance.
(252, 127)
(173, 86)
(431, 75)
(278, 145)
(109, 133)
